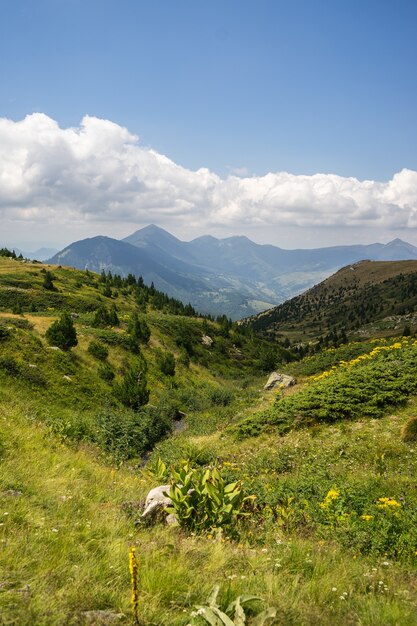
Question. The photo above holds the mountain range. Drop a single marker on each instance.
(233, 276)
(361, 300)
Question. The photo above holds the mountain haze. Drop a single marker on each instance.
(233, 276)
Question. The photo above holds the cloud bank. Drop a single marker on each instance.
(100, 172)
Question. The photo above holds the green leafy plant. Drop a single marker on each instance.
(236, 613)
(201, 500)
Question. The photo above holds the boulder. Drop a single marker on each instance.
(155, 504)
(207, 341)
(279, 380)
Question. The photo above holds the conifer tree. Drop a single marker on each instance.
(62, 333)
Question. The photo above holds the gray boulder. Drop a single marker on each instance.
(279, 380)
(155, 504)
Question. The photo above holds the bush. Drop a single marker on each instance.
(220, 397)
(363, 387)
(98, 350)
(47, 281)
(9, 365)
(128, 434)
(139, 329)
(202, 501)
(132, 391)
(166, 362)
(4, 333)
(104, 317)
(62, 333)
(106, 372)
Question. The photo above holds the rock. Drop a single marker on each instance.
(276, 380)
(14, 493)
(207, 341)
(66, 377)
(155, 503)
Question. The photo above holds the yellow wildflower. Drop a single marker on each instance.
(366, 517)
(388, 504)
(134, 573)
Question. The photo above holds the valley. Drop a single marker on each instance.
(234, 276)
(327, 532)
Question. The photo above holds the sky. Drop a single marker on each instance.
(291, 122)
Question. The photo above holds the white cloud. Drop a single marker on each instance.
(100, 172)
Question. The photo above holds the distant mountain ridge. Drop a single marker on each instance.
(233, 276)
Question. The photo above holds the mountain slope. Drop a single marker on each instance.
(331, 510)
(358, 295)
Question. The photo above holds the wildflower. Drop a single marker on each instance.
(388, 504)
(134, 573)
(366, 517)
(333, 494)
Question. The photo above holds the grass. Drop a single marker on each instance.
(69, 510)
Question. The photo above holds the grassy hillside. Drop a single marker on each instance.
(367, 299)
(329, 531)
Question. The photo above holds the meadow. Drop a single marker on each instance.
(306, 497)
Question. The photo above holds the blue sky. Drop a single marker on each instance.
(240, 88)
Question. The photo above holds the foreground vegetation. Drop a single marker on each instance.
(306, 497)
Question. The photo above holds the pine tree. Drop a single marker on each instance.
(62, 333)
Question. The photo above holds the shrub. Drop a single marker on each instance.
(132, 391)
(106, 372)
(128, 434)
(220, 397)
(62, 333)
(166, 362)
(98, 350)
(201, 500)
(33, 376)
(47, 281)
(9, 365)
(4, 333)
(104, 317)
(139, 329)
(409, 431)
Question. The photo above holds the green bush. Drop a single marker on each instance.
(9, 365)
(104, 317)
(106, 372)
(220, 397)
(4, 333)
(132, 391)
(166, 362)
(127, 434)
(98, 350)
(62, 333)
(202, 501)
(139, 329)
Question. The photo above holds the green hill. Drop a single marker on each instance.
(328, 534)
(367, 299)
